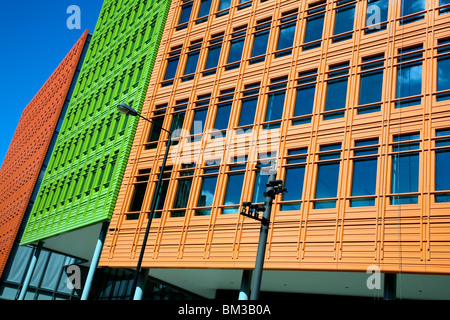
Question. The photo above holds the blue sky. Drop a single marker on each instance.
(35, 39)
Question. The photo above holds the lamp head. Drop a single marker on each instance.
(126, 109)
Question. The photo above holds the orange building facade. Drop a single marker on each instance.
(23, 163)
(348, 100)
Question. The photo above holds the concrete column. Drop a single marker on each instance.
(244, 294)
(94, 262)
(31, 267)
(142, 282)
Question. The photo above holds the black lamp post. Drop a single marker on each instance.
(127, 110)
(273, 187)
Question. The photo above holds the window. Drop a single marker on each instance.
(205, 7)
(442, 169)
(162, 192)
(249, 103)
(140, 187)
(314, 25)
(275, 102)
(443, 72)
(343, 24)
(236, 46)
(409, 77)
(192, 60)
(445, 9)
(178, 116)
(184, 183)
(242, 4)
(364, 178)
(371, 84)
(412, 10)
(185, 14)
(336, 97)
(327, 176)
(287, 33)
(304, 99)
(214, 49)
(172, 65)
(293, 179)
(207, 191)
(223, 110)
(260, 40)
(157, 123)
(200, 112)
(405, 169)
(265, 162)
(224, 7)
(377, 15)
(235, 184)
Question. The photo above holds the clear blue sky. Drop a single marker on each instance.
(34, 39)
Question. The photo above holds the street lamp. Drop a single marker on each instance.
(273, 187)
(127, 110)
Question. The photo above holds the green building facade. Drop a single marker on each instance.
(85, 171)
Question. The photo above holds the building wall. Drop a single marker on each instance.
(29, 147)
(85, 170)
(339, 214)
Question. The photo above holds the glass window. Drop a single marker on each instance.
(314, 25)
(275, 102)
(214, 49)
(336, 98)
(205, 7)
(178, 116)
(235, 184)
(442, 169)
(157, 123)
(244, 4)
(162, 192)
(327, 176)
(223, 110)
(260, 40)
(207, 191)
(405, 169)
(409, 11)
(185, 14)
(192, 60)
(445, 9)
(200, 113)
(249, 103)
(304, 99)
(287, 33)
(345, 16)
(364, 179)
(409, 76)
(377, 15)
(172, 65)
(140, 187)
(293, 179)
(443, 75)
(236, 46)
(224, 7)
(184, 183)
(371, 84)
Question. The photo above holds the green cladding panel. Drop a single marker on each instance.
(85, 170)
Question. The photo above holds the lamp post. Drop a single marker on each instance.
(273, 187)
(127, 110)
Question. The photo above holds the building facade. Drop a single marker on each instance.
(22, 172)
(347, 100)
